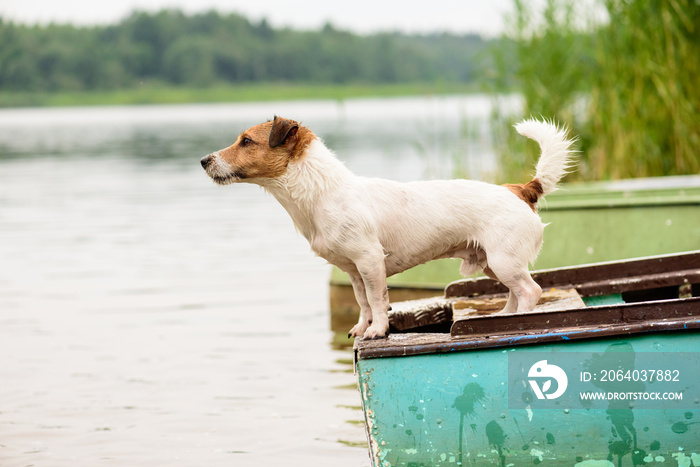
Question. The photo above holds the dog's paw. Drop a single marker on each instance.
(358, 330)
(376, 332)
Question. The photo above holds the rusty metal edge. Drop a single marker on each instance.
(562, 335)
(603, 315)
(438, 343)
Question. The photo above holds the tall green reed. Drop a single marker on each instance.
(625, 85)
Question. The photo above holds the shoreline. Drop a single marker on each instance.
(153, 93)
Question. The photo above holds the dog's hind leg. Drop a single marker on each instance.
(358, 286)
(512, 303)
(524, 292)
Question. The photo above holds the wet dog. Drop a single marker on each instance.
(373, 228)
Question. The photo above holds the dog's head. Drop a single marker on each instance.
(259, 153)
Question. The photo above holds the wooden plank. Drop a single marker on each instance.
(413, 314)
(551, 300)
(601, 278)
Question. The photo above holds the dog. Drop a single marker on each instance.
(373, 228)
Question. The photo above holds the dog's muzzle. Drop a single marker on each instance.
(218, 171)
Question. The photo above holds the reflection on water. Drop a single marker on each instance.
(149, 317)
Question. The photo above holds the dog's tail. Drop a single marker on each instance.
(557, 158)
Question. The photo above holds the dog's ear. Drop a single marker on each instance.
(282, 130)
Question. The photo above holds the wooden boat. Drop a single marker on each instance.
(442, 389)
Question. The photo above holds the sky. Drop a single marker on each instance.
(360, 16)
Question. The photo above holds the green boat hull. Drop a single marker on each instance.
(451, 409)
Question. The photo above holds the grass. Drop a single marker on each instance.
(158, 93)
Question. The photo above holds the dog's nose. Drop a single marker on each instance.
(206, 160)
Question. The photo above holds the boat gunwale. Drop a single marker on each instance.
(411, 344)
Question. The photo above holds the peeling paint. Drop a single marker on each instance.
(696, 459)
(650, 458)
(682, 459)
(365, 391)
(529, 413)
(538, 454)
(595, 463)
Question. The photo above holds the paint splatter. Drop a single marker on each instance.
(471, 395)
(495, 434)
(623, 424)
(682, 459)
(638, 456)
(497, 438)
(679, 428)
(621, 449)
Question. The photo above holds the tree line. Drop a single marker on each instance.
(209, 48)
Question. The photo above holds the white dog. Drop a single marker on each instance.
(373, 228)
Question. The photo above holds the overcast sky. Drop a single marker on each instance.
(362, 16)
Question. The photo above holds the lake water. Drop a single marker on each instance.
(151, 318)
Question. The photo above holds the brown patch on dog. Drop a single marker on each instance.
(529, 192)
(265, 150)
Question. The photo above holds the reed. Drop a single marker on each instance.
(626, 84)
(643, 117)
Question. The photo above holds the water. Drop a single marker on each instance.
(149, 317)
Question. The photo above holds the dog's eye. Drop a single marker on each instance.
(246, 141)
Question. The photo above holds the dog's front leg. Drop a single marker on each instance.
(372, 270)
(358, 286)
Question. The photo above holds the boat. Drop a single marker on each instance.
(456, 383)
